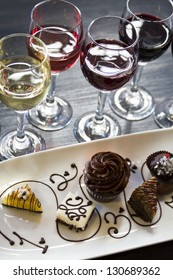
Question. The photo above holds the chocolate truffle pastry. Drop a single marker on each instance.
(160, 165)
(106, 175)
(23, 198)
(143, 200)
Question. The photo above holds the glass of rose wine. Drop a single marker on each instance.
(107, 63)
(59, 25)
(153, 22)
(25, 78)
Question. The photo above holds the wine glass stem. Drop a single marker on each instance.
(171, 112)
(21, 144)
(137, 76)
(20, 125)
(99, 116)
(51, 95)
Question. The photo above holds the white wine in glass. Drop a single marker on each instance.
(25, 77)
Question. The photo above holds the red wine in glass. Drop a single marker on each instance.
(58, 24)
(163, 113)
(63, 46)
(154, 36)
(153, 22)
(107, 74)
(107, 64)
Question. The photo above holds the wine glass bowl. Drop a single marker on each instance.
(163, 113)
(107, 63)
(24, 81)
(153, 22)
(59, 25)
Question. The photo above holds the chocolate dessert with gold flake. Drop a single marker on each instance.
(160, 165)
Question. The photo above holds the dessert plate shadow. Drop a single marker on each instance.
(52, 174)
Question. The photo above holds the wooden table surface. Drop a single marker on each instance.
(157, 77)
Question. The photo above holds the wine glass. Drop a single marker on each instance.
(107, 63)
(59, 25)
(163, 113)
(25, 78)
(153, 21)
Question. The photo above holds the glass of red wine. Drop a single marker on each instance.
(59, 25)
(153, 22)
(163, 113)
(107, 63)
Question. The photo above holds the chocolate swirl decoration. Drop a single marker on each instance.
(22, 239)
(170, 203)
(11, 242)
(63, 185)
(77, 209)
(113, 230)
(106, 172)
(91, 229)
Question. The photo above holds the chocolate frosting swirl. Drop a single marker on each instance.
(106, 172)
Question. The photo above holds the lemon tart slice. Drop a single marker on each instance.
(23, 198)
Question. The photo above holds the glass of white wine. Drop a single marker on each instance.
(25, 78)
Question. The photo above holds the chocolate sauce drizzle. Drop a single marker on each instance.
(63, 185)
(98, 219)
(42, 241)
(112, 231)
(79, 206)
(142, 171)
(132, 166)
(22, 239)
(121, 210)
(6, 237)
(170, 203)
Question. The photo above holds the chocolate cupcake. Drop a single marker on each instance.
(106, 175)
(160, 165)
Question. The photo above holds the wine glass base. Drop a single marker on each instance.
(135, 110)
(85, 130)
(50, 121)
(162, 114)
(36, 144)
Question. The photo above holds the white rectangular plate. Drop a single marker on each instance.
(112, 228)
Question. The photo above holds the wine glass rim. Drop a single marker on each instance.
(109, 48)
(29, 36)
(53, 31)
(157, 20)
